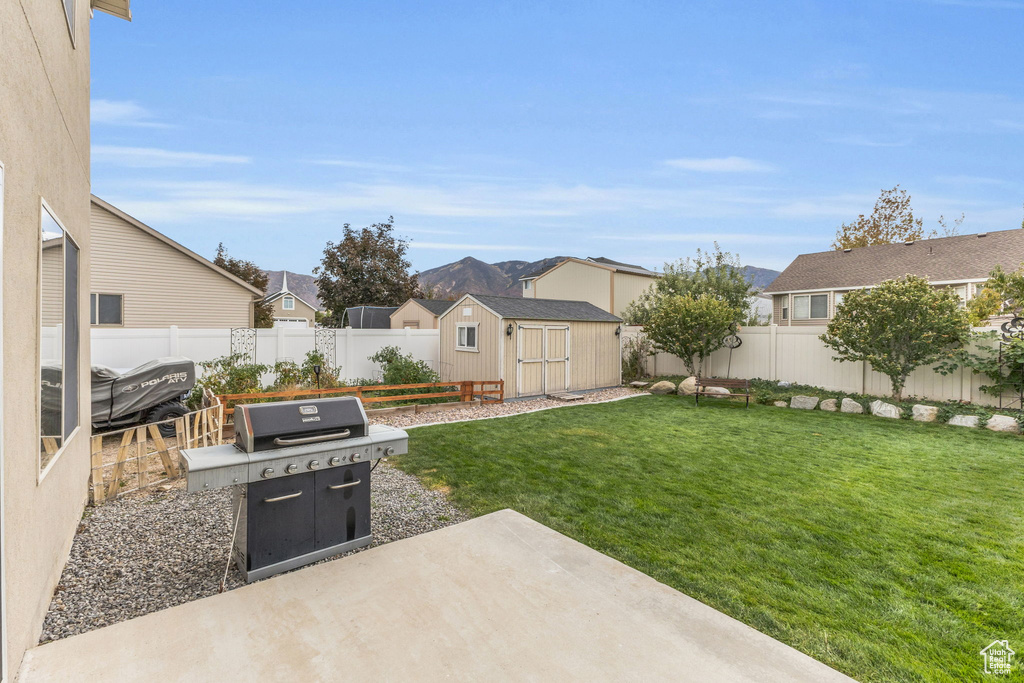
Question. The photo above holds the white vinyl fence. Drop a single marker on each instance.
(795, 354)
(127, 348)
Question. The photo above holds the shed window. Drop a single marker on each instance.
(527, 284)
(466, 337)
(288, 303)
(810, 306)
(106, 309)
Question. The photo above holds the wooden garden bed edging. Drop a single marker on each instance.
(487, 391)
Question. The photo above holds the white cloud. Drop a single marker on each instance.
(721, 165)
(707, 238)
(865, 141)
(151, 157)
(122, 113)
(361, 165)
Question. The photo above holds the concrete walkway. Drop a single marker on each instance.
(500, 597)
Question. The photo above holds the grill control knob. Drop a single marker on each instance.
(267, 472)
(334, 462)
(291, 469)
(313, 464)
(389, 451)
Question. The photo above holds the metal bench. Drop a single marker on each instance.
(704, 382)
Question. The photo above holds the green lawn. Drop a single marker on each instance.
(890, 550)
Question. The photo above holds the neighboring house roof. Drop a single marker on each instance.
(370, 317)
(943, 259)
(435, 306)
(171, 243)
(118, 8)
(592, 260)
(542, 309)
(284, 290)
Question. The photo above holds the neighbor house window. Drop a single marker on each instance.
(288, 303)
(839, 299)
(527, 284)
(785, 308)
(810, 306)
(961, 292)
(106, 309)
(59, 338)
(466, 337)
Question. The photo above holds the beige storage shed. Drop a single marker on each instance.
(419, 314)
(537, 346)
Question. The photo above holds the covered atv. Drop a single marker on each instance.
(153, 392)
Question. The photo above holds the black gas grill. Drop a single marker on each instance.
(301, 477)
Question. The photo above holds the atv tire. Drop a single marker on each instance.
(166, 411)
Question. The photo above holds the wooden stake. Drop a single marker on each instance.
(97, 470)
(122, 456)
(161, 448)
(140, 455)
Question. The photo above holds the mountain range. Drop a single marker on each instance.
(471, 275)
(502, 278)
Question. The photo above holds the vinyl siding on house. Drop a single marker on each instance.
(574, 281)
(161, 286)
(411, 314)
(627, 288)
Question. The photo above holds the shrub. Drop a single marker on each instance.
(290, 375)
(227, 375)
(636, 351)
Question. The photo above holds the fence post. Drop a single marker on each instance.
(773, 349)
(348, 354)
(97, 470)
(279, 351)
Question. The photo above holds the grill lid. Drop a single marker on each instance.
(264, 426)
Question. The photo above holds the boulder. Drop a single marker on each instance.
(715, 391)
(663, 387)
(850, 406)
(1003, 423)
(923, 413)
(688, 386)
(803, 402)
(830, 404)
(780, 404)
(638, 384)
(883, 409)
(964, 420)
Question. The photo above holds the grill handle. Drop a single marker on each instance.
(279, 498)
(312, 439)
(345, 486)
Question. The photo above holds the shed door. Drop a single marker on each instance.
(531, 361)
(556, 358)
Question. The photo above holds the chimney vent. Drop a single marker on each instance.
(847, 250)
(982, 234)
(908, 243)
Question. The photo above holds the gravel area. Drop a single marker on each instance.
(161, 547)
(149, 551)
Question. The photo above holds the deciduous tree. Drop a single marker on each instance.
(1003, 292)
(367, 267)
(891, 221)
(897, 327)
(716, 273)
(691, 327)
(263, 313)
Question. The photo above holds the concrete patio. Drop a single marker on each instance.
(496, 598)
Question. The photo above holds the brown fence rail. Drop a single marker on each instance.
(487, 391)
(141, 457)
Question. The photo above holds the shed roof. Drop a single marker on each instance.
(544, 309)
(435, 306)
(943, 259)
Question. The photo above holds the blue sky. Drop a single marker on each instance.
(519, 130)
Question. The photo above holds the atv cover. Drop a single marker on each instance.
(116, 395)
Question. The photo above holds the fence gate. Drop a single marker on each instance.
(243, 342)
(325, 341)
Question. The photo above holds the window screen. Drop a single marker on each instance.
(819, 306)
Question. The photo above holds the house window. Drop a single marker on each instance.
(839, 299)
(106, 309)
(961, 292)
(466, 337)
(785, 308)
(69, 13)
(59, 338)
(527, 284)
(810, 306)
(288, 303)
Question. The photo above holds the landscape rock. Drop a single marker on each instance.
(715, 391)
(1003, 423)
(923, 413)
(803, 402)
(638, 384)
(830, 404)
(883, 409)
(663, 387)
(850, 406)
(780, 404)
(688, 386)
(964, 420)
